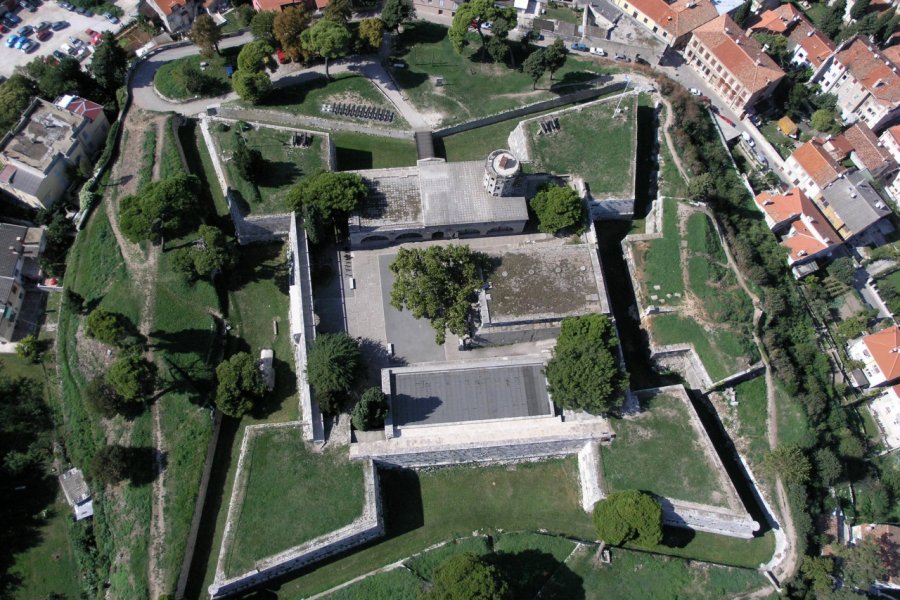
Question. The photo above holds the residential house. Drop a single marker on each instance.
(734, 65)
(867, 152)
(812, 167)
(885, 409)
(865, 82)
(808, 46)
(280, 5)
(890, 140)
(855, 209)
(809, 235)
(788, 127)
(77, 493)
(176, 15)
(49, 140)
(671, 22)
(887, 537)
(880, 355)
(20, 247)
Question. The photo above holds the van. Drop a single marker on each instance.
(598, 51)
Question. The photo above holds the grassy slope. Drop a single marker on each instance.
(218, 82)
(289, 483)
(359, 151)
(664, 429)
(661, 262)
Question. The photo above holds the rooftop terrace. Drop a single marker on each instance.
(49, 131)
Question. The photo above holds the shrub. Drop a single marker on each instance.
(558, 208)
(629, 516)
(240, 385)
(333, 367)
(370, 411)
(110, 464)
(106, 326)
(132, 377)
(30, 349)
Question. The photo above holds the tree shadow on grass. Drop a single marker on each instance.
(260, 262)
(276, 174)
(142, 464)
(25, 508)
(528, 571)
(349, 159)
(285, 387)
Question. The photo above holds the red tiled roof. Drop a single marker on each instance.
(866, 146)
(817, 163)
(892, 53)
(884, 347)
(777, 20)
(279, 5)
(168, 6)
(895, 133)
(817, 46)
(810, 234)
(741, 55)
(872, 69)
(782, 207)
(678, 18)
(87, 109)
(887, 537)
(838, 147)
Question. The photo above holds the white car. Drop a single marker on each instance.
(748, 139)
(598, 51)
(695, 92)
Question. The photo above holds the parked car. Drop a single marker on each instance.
(229, 70)
(695, 92)
(88, 12)
(44, 35)
(748, 139)
(25, 30)
(111, 18)
(67, 6)
(620, 56)
(59, 25)
(598, 51)
(75, 41)
(79, 10)
(27, 6)
(29, 46)
(11, 41)
(20, 42)
(42, 26)
(69, 50)
(641, 60)
(59, 54)
(579, 46)
(487, 25)
(282, 57)
(13, 18)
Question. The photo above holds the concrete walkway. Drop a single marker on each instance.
(146, 97)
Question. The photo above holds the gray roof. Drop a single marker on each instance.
(454, 194)
(74, 486)
(11, 237)
(424, 144)
(855, 203)
(447, 395)
(25, 181)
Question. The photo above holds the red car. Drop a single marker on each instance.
(282, 57)
(95, 38)
(43, 35)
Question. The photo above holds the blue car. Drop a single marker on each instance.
(11, 41)
(579, 46)
(21, 42)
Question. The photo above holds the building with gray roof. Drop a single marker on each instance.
(19, 247)
(438, 200)
(853, 206)
(77, 493)
(49, 140)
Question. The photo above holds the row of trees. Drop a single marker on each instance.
(546, 60)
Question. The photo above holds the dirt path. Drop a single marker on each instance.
(142, 267)
(666, 127)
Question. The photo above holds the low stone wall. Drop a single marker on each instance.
(273, 116)
(369, 526)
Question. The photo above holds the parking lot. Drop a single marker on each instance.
(50, 11)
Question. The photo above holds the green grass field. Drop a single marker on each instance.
(721, 352)
(660, 263)
(594, 144)
(752, 412)
(283, 166)
(662, 429)
(472, 88)
(563, 14)
(215, 80)
(308, 98)
(671, 183)
(289, 483)
(359, 151)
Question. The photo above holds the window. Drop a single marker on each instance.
(440, 12)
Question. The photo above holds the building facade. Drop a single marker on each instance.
(811, 167)
(19, 244)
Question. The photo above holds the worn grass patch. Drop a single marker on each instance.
(659, 261)
(592, 143)
(721, 352)
(752, 411)
(283, 165)
(215, 78)
(288, 482)
(473, 88)
(663, 428)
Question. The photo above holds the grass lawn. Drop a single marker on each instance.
(662, 429)
(782, 143)
(283, 165)
(308, 98)
(660, 263)
(472, 88)
(721, 351)
(214, 82)
(563, 14)
(793, 426)
(359, 151)
(639, 576)
(288, 482)
(200, 164)
(232, 22)
(397, 584)
(591, 143)
(702, 238)
(475, 144)
(817, 13)
(752, 411)
(891, 282)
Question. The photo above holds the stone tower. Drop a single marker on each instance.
(500, 172)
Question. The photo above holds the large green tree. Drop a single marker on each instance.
(473, 14)
(584, 372)
(110, 464)
(240, 385)
(558, 207)
(254, 57)
(439, 284)
(324, 197)
(789, 463)
(371, 31)
(252, 86)
(212, 252)
(132, 376)
(262, 26)
(55, 79)
(396, 12)
(629, 516)
(206, 34)
(468, 576)
(371, 410)
(339, 11)
(555, 56)
(534, 66)
(16, 94)
(864, 563)
(107, 326)
(161, 209)
(109, 63)
(333, 366)
(328, 39)
(25, 428)
(289, 25)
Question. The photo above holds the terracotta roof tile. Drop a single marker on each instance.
(809, 236)
(884, 347)
(866, 146)
(817, 162)
(741, 55)
(168, 6)
(87, 109)
(895, 133)
(817, 46)
(872, 69)
(678, 18)
(777, 20)
(782, 207)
